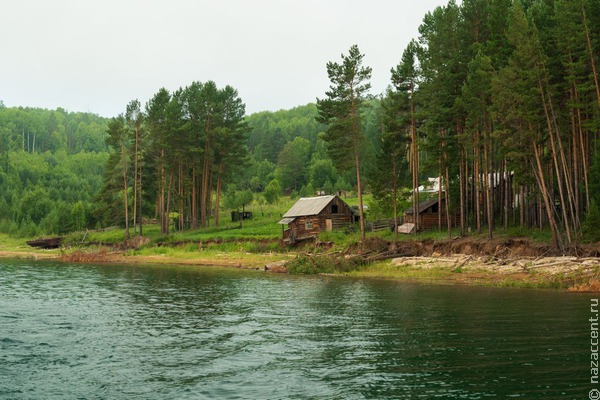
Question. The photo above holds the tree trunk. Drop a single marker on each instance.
(168, 211)
(462, 191)
(135, 180)
(395, 194)
(180, 196)
(205, 175)
(507, 193)
(359, 188)
(194, 199)
(584, 161)
(440, 183)
(141, 219)
(500, 186)
(447, 198)
(162, 188)
(477, 181)
(218, 199)
(556, 165)
(521, 206)
(579, 137)
(566, 171)
(488, 189)
(125, 195)
(539, 175)
(414, 153)
(591, 52)
(354, 116)
(209, 201)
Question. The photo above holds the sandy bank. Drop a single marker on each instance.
(573, 273)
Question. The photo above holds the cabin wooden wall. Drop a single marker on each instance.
(429, 221)
(340, 220)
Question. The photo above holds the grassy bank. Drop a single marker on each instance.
(483, 276)
(256, 243)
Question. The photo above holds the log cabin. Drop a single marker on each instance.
(429, 213)
(313, 215)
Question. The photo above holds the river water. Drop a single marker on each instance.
(158, 332)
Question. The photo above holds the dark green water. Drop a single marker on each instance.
(175, 332)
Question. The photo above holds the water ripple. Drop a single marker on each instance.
(178, 332)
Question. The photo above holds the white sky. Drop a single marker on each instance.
(96, 56)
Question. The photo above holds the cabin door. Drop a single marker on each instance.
(328, 225)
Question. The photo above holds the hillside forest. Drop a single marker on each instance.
(498, 100)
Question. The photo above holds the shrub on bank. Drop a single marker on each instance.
(590, 230)
(324, 264)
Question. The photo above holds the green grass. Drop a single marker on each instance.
(260, 234)
(385, 269)
(323, 264)
(536, 235)
(10, 243)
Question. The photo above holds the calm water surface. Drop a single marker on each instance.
(112, 332)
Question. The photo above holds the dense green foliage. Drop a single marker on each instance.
(34, 130)
(51, 167)
(173, 156)
(506, 107)
(497, 99)
(323, 264)
(340, 110)
(297, 156)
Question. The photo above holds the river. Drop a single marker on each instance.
(158, 332)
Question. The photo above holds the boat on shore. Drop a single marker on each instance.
(46, 243)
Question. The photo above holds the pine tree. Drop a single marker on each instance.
(156, 111)
(340, 111)
(443, 73)
(519, 105)
(118, 139)
(476, 100)
(401, 115)
(391, 161)
(134, 118)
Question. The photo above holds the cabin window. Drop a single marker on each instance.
(334, 209)
(308, 225)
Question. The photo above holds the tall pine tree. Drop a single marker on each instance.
(340, 111)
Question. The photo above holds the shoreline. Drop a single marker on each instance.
(558, 273)
(564, 273)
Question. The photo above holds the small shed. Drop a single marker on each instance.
(240, 215)
(429, 212)
(313, 215)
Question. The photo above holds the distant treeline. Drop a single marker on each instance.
(51, 165)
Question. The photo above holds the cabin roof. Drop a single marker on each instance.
(286, 221)
(306, 206)
(424, 205)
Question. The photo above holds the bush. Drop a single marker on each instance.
(262, 247)
(323, 265)
(27, 229)
(590, 230)
(272, 191)
(9, 226)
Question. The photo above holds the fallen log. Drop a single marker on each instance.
(46, 243)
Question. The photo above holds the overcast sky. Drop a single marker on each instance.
(97, 55)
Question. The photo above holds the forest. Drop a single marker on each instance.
(51, 166)
(497, 99)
